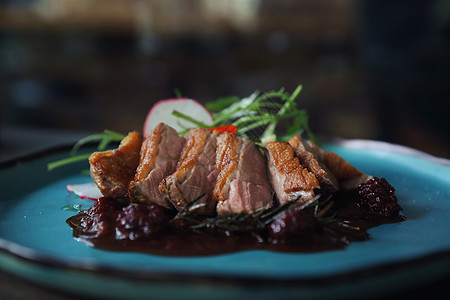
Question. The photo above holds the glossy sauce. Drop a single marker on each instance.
(100, 230)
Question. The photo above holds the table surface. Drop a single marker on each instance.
(16, 142)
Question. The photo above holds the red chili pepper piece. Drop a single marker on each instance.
(227, 128)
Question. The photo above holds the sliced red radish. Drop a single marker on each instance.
(162, 112)
(86, 190)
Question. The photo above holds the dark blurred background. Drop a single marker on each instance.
(371, 69)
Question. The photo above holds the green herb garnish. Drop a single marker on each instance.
(105, 138)
(258, 220)
(260, 116)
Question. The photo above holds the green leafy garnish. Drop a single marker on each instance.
(105, 138)
(66, 161)
(180, 115)
(261, 116)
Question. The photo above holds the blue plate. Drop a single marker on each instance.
(36, 243)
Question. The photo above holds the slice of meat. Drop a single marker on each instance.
(306, 157)
(289, 178)
(347, 175)
(195, 174)
(113, 170)
(242, 185)
(159, 156)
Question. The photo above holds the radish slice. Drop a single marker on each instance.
(86, 190)
(161, 112)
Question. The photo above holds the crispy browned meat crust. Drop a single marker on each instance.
(289, 179)
(113, 170)
(231, 171)
(148, 152)
(242, 185)
(306, 158)
(318, 167)
(195, 144)
(195, 173)
(347, 175)
(159, 155)
(297, 178)
(226, 162)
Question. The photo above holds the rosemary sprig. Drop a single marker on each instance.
(192, 205)
(243, 222)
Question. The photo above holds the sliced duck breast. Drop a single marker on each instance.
(242, 185)
(112, 170)
(288, 177)
(195, 174)
(307, 159)
(347, 175)
(159, 156)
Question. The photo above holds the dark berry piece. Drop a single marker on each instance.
(295, 225)
(102, 205)
(378, 197)
(99, 219)
(137, 221)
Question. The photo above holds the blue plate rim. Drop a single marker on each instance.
(33, 258)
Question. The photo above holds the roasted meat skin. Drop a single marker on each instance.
(288, 177)
(348, 176)
(242, 185)
(159, 156)
(112, 170)
(195, 174)
(316, 166)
